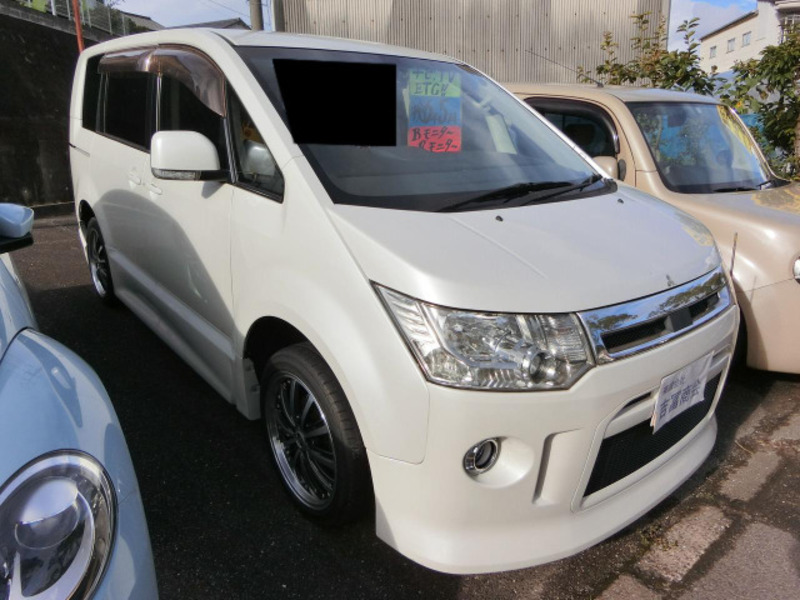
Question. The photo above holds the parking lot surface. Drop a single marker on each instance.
(221, 527)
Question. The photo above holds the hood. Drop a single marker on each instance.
(15, 312)
(51, 400)
(556, 257)
(776, 205)
(767, 223)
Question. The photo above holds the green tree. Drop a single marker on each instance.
(770, 87)
(652, 64)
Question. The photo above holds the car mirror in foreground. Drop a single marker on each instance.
(16, 223)
(185, 155)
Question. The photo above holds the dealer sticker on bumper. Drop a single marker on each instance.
(680, 391)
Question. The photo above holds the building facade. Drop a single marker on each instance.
(510, 40)
(745, 37)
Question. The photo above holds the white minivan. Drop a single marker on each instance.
(435, 302)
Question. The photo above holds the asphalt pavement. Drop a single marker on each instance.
(221, 526)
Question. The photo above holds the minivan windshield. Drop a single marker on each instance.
(701, 148)
(415, 134)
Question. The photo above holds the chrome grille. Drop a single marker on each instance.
(625, 329)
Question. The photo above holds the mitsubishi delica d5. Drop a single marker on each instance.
(436, 304)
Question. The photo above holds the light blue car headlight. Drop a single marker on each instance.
(57, 519)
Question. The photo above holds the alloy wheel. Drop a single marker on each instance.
(301, 442)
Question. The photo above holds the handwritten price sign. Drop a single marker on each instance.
(445, 138)
(434, 116)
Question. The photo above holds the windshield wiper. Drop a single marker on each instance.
(517, 190)
(565, 190)
(508, 193)
(746, 188)
(741, 188)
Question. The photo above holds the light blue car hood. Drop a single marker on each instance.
(15, 312)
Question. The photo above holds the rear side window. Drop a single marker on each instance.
(126, 108)
(181, 110)
(91, 93)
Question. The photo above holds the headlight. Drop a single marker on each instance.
(796, 270)
(56, 528)
(491, 350)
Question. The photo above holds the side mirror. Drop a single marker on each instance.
(16, 223)
(186, 156)
(608, 164)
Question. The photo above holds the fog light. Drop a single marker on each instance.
(482, 456)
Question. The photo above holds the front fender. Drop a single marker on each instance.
(288, 261)
(355, 336)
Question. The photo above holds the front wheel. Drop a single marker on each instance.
(315, 442)
(99, 267)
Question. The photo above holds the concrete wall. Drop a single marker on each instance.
(38, 60)
(496, 36)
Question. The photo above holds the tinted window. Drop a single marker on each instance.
(91, 93)
(181, 110)
(255, 166)
(126, 107)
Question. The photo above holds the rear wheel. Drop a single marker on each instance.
(315, 443)
(99, 267)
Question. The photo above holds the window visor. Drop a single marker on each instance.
(190, 67)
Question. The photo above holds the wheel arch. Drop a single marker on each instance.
(268, 335)
(85, 214)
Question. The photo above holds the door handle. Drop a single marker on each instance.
(154, 189)
(134, 178)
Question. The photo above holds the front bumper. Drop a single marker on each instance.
(531, 507)
(773, 326)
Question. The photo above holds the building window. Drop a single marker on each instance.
(712, 52)
(788, 24)
(731, 44)
(746, 39)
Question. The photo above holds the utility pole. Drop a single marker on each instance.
(256, 16)
(76, 16)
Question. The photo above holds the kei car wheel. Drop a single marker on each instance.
(99, 267)
(315, 442)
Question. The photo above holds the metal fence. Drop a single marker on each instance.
(511, 40)
(92, 14)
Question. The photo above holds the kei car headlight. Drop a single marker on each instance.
(501, 351)
(56, 528)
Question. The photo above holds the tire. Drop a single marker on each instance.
(314, 440)
(739, 360)
(99, 266)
